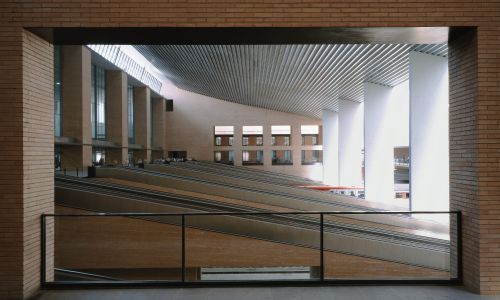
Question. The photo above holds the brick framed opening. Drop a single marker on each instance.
(474, 173)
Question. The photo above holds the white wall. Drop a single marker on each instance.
(350, 143)
(190, 127)
(330, 147)
(379, 142)
(429, 132)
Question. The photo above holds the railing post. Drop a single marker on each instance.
(459, 247)
(64, 171)
(76, 172)
(183, 248)
(43, 254)
(321, 245)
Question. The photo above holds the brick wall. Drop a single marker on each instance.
(488, 160)
(475, 172)
(11, 159)
(38, 151)
(463, 148)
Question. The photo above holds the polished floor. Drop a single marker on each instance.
(271, 293)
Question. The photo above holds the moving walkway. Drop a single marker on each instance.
(344, 235)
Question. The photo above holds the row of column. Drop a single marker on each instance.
(76, 114)
(372, 126)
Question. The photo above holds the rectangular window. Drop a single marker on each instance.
(98, 156)
(169, 105)
(253, 157)
(252, 140)
(281, 135)
(252, 136)
(224, 157)
(309, 129)
(98, 103)
(281, 129)
(224, 130)
(217, 156)
(57, 92)
(281, 140)
(310, 135)
(223, 135)
(130, 114)
(253, 130)
(282, 157)
(312, 157)
(310, 139)
(223, 140)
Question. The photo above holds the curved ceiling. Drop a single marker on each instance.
(300, 79)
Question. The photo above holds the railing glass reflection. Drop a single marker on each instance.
(210, 248)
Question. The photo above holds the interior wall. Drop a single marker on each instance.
(190, 128)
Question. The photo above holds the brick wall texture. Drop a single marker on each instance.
(26, 104)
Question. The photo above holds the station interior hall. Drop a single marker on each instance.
(254, 128)
(243, 157)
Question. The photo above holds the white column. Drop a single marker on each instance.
(350, 142)
(330, 147)
(429, 180)
(379, 145)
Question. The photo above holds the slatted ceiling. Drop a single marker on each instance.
(301, 79)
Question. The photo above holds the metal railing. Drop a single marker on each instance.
(76, 171)
(323, 220)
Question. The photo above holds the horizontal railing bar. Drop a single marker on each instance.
(257, 283)
(252, 213)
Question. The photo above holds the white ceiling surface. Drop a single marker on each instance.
(300, 79)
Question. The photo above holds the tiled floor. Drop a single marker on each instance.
(271, 293)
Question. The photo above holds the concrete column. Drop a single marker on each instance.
(142, 123)
(330, 147)
(158, 115)
(76, 77)
(379, 145)
(116, 116)
(350, 143)
(429, 142)
(159, 122)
